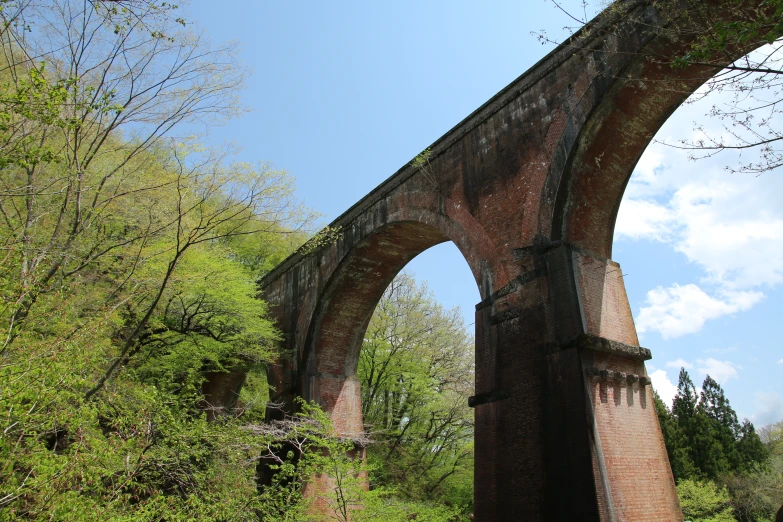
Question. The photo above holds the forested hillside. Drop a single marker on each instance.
(128, 267)
(130, 255)
(724, 470)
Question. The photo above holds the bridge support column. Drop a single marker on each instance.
(341, 397)
(565, 423)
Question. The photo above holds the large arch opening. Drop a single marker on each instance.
(344, 311)
(592, 167)
(705, 305)
(329, 374)
(652, 102)
(417, 372)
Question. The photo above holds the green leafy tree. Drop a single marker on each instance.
(416, 371)
(78, 77)
(704, 502)
(758, 493)
(128, 269)
(772, 437)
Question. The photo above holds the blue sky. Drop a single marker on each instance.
(344, 93)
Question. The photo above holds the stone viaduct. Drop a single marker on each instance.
(528, 188)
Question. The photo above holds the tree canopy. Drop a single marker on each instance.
(129, 267)
(723, 468)
(416, 371)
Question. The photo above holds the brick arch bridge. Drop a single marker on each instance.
(528, 188)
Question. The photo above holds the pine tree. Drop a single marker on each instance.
(716, 406)
(675, 441)
(703, 437)
(752, 450)
(682, 428)
(716, 440)
(686, 400)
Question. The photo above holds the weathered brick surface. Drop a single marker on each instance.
(625, 415)
(528, 188)
(603, 299)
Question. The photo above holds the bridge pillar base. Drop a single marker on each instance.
(566, 427)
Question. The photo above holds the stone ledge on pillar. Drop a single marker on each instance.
(601, 344)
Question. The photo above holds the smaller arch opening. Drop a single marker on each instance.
(344, 311)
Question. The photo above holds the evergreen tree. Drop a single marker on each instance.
(685, 424)
(716, 440)
(675, 441)
(686, 400)
(716, 406)
(752, 451)
(666, 423)
(703, 437)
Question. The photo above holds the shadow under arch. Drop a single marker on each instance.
(334, 340)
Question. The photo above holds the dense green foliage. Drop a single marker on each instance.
(416, 371)
(724, 470)
(704, 502)
(127, 271)
(128, 277)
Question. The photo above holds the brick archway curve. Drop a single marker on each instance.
(398, 232)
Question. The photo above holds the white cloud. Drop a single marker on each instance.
(731, 231)
(665, 388)
(643, 219)
(680, 310)
(721, 371)
(769, 408)
(728, 225)
(653, 174)
(679, 363)
(780, 361)
(731, 227)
